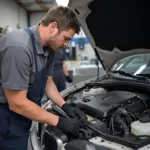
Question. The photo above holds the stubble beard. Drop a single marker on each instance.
(51, 44)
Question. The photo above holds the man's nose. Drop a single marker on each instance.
(66, 43)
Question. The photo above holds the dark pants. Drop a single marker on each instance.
(12, 135)
(59, 79)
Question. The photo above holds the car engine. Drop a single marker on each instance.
(116, 115)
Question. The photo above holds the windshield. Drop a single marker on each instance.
(136, 65)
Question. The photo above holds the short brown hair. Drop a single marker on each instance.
(64, 17)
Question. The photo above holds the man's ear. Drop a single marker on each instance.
(53, 28)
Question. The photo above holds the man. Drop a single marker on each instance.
(26, 63)
(60, 71)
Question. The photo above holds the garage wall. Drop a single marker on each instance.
(11, 14)
(36, 17)
(87, 52)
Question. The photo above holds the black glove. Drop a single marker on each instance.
(69, 79)
(69, 125)
(74, 112)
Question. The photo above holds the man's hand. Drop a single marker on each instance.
(69, 125)
(69, 79)
(74, 112)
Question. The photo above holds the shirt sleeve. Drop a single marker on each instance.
(15, 68)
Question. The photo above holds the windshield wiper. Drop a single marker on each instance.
(131, 75)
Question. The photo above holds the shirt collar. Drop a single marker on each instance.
(38, 43)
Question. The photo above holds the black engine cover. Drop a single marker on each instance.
(101, 105)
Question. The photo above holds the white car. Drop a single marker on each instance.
(117, 103)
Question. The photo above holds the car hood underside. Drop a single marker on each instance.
(116, 29)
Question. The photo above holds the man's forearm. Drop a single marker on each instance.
(32, 111)
(53, 94)
(65, 68)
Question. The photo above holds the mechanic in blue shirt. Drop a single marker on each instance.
(60, 72)
(26, 65)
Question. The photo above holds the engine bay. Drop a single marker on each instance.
(118, 115)
(102, 105)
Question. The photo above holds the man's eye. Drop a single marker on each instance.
(66, 39)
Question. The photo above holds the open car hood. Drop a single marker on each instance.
(116, 29)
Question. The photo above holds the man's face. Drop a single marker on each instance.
(60, 38)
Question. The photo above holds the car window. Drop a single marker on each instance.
(137, 63)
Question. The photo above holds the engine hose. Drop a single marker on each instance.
(121, 122)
